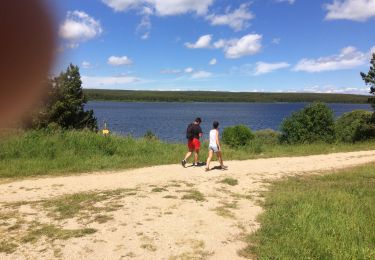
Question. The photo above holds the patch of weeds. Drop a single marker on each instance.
(193, 195)
(70, 206)
(149, 247)
(102, 218)
(7, 248)
(157, 189)
(197, 251)
(130, 254)
(224, 212)
(14, 227)
(168, 213)
(229, 181)
(52, 232)
(170, 197)
(232, 205)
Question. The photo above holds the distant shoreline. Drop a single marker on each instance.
(214, 96)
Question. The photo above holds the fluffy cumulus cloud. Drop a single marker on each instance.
(264, 68)
(162, 7)
(348, 58)
(249, 44)
(233, 48)
(119, 61)
(286, 1)
(201, 74)
(335, 89)
(86, 65)
(107, 82)
(213, 61)
(78, 27)
(237, 19)
(203, 42)
(356, 10)
(188, 70)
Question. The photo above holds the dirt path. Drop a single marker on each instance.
(163, 212)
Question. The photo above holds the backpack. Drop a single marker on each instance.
(190, 131)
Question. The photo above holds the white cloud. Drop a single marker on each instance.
(162, 7)
(188, 70)
(144, 26)
(235, 48)
(100, 82)
(118, 61)
(176, 7)
(121, 5)
(276, 41)
(78, 27)
(238, 19)
(86, 65)
(201, 74)
(264, 68)
(203, 42)
(356, 10)
(336, 90)
(348, 58)
(288, 1)
(213, 61)
(170, 71)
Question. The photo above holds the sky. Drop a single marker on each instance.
(218, 45)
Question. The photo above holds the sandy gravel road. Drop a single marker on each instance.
(162, 212)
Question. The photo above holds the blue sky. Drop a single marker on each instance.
(218, 45)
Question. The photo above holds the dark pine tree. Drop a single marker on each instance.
(369, 79)
(65, 102)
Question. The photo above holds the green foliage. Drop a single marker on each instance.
(150, 135)
(320, 217)
(217, 96)
(237, 136)
(62, 152)
(369, 79)
(355, 126)
(64, 105)
(268, 136)
(314, 123)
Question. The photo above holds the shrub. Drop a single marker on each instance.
(314, 123)
(355, 126)
(268, 136)
(236, 136)
(150, 135)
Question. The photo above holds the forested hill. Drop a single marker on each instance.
(213, 96)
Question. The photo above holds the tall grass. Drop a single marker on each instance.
(62, 152)
(324, 217)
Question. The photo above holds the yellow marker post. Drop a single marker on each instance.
(105, 131)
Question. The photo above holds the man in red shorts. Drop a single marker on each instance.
(193, 133)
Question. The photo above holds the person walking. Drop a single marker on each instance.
(215, 147)
(193, 133)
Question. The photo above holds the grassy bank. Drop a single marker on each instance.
(321, 217)
(40, 153)
(216, 96)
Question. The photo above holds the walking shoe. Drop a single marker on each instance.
(183, 162)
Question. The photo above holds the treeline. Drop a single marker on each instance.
(213, 96)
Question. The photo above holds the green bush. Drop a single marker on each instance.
(268, 136)
(236, 136)
(314, 123)
(150, 135)
(355, 126)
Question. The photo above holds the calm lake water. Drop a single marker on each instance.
(169, 120)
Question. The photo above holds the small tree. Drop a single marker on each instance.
(369, 79)
(65, 102)
(314, 123)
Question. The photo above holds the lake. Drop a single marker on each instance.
(169, 120)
